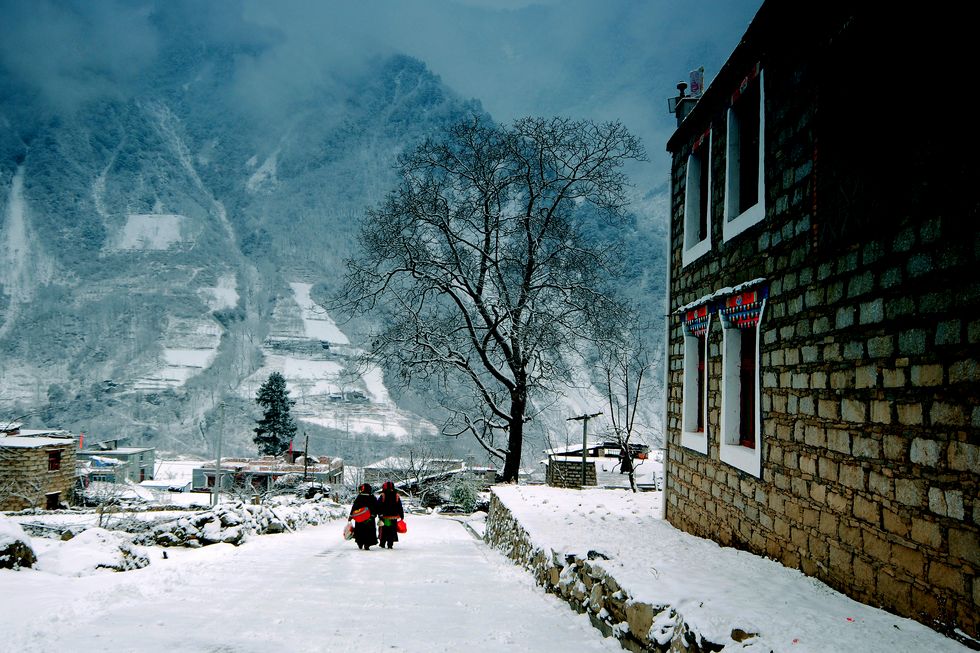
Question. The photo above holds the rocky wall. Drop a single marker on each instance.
(588, 588)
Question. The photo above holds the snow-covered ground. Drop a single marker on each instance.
(715, 589)
(439, 589)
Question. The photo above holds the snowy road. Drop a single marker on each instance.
(440, 589)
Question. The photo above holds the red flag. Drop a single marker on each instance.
(81, 440)
(290, 448)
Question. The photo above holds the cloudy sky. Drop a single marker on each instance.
(598, 59)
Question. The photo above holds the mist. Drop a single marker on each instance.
(615, 60)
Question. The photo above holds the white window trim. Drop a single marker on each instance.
(692, 204)
(736, 224)
(746, 459)
(690, 439)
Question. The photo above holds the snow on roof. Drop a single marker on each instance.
(102, 461)
(30, 433)
(163, 483)
(397, 462)
(34, 442)
(572, 447)
(121, 451)
(721, 292)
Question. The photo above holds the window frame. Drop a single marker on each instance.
(735, 221)
(691, 438)
(747, 459)
(54, 460)
(695, 248)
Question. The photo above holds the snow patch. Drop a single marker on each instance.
(189, 347)
(224, 295)
(149, 231)
(265, 177)
(317, 324)
(24, 266)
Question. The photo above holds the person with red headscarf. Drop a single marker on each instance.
(362, 513)
(391, 511)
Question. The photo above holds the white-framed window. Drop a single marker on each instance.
(694, 407)
(740, 440)
(745, 179)
(697, 201)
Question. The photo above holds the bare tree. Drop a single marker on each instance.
(479, 263)
(625, 366)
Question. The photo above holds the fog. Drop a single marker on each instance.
(616, 59)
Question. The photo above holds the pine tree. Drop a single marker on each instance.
(276, 428)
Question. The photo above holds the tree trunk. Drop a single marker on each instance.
(515, 437)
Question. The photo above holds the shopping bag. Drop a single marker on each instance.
(401, 526)
(348, 531)
(361, 514)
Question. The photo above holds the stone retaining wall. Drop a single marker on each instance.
(589, 589)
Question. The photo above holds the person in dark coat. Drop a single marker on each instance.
(390, 509)
(364, 531)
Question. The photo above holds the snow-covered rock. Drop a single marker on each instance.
(231, 523)
(92, 550)
(15, 546)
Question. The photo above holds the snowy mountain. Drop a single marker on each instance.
(159, 250)
(176, 207)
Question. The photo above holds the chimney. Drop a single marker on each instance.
(681, 105)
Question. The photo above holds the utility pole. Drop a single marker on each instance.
(217, 461)
(306, 455)
(585, 438)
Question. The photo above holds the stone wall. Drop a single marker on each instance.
(25, 478)
(568, 473)
(869, 363)
(589, 589)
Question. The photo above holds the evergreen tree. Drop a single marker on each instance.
(276, 428)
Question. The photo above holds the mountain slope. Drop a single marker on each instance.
(150, 252)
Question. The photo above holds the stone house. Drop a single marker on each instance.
(37, 469)
(823, 382)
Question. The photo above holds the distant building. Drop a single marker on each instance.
(603, 466)
(164, 485)
(262, 474)
(824, 347)
(37, 468)
(411, 470)
(110, 462)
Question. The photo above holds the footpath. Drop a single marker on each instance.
(655, 588)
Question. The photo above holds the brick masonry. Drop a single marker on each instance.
(869, 371)
(25, 480)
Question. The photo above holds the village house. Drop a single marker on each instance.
(262, 474)
(109, 462)
(37, 468)
(409, 471)
(823, 384)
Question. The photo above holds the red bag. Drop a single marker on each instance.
(401, 526)
(348, 531)
(361, 514)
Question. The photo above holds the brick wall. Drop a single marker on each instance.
(25, 479)
(870, 367)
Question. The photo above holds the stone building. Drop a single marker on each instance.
(823, 384)
(36, 471)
